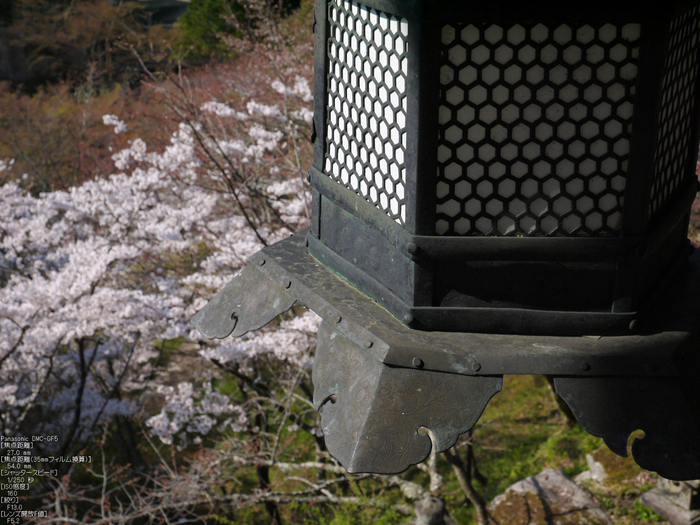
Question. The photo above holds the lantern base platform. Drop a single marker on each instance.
(383, 387)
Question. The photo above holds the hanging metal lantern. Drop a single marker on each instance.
(498, 188)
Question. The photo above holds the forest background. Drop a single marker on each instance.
(139, 168)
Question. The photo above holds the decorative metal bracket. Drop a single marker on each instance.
(374, 416)
(614, 407)
(377, 382)
(248, 302)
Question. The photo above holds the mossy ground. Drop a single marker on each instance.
(522, 432)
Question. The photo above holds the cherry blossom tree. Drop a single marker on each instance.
(95, 278)
(76, 296)
(98, 284)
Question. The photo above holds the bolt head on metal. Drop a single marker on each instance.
(369, 344)
(338, 318)
(407, 319)
(288, 284)
(417, 362)
(585, 367)
(262, 262)
(476, 367)
(412, 248)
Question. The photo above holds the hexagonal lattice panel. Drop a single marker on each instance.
(674, 147)
(534, 128)
(366, 123)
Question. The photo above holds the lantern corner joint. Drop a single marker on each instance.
(483, 205)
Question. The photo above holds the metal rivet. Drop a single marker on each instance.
(633, 325)
(333, 398)
(417, 362)
(234, 315)
(407, 319)
(585, 367)
(422, 431)
(338, 319)
(288, 284)
(369, 344)
(476, 367)
(262, 262)
(412, 248)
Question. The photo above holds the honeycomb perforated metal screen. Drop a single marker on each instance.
(366, 118)
(535, 123)
(679, 91)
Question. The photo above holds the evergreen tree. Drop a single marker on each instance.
(206, 24)
(201, 28)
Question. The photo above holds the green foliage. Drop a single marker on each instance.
(346, 514)
(167, 349)
(523, 433)
(631, 512)
(642, 512)
(207, 25)
(202, 28)
(221, 520)
(460, 509)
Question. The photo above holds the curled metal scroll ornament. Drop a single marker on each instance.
(662, 407)
(371, 413)
(247, 303)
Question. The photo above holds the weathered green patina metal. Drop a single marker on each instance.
(377, 381)
(498, 188)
